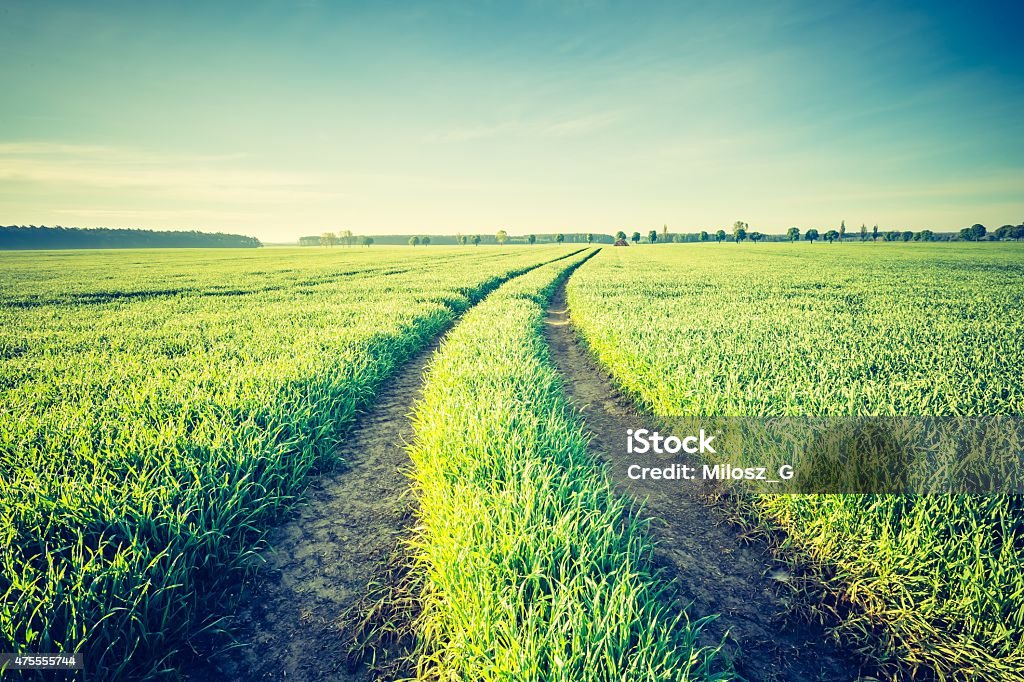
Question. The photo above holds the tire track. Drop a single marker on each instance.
(344, 537)
(707, 561)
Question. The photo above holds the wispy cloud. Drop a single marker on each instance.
(579, 126)
(188, 177)
(978, 188)
(145, 216)
(550, 128)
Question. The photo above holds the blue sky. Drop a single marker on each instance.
(286, 118)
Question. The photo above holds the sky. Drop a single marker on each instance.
(285, 118)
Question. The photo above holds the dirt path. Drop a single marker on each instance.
(706, 559)
(324, 559)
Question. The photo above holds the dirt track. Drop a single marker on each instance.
(707, 560)
(340, 541)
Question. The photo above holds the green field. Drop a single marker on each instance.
(158, 410)
(162, 411)
(847, 330)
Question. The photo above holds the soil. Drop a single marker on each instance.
(344, 540)
(707, 560)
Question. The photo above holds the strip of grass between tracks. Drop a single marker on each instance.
(531, 568)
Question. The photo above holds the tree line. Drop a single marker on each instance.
(58, 237)
(741, 232)
(345, 238)
(501, 237)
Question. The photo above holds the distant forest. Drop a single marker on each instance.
(32, 237)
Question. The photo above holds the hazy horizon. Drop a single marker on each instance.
(284, 119)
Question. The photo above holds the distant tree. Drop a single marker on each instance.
(620, 235)
(926, 235)
(863, 231)
(973, 233)
(907, 235)
(739, 231)
(559, 237)
(874, 233)
(703, 236)
(346, 238)
(720, 236)
(664, 234)
(501, 236)
(425, 241)
(1002, 232)
(652, 236)
(475, 239)
(414, 241)
(811, 235)
(367, 241)
(636, 237)
(1017, 232)
(328, 239)
(755, 237)
(831, 236)
(532, 239)
(842, 230)
(590, 238)
(793, 233)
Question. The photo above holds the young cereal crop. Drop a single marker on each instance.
(158, 412)
(937, 582)
(532, 568)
